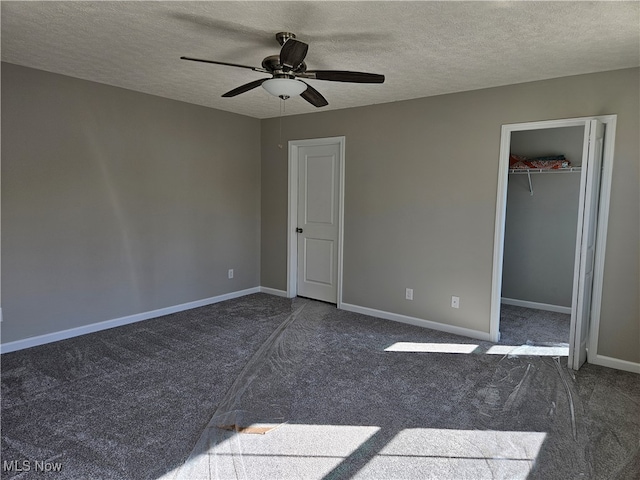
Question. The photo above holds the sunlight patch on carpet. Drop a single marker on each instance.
(524, 350)
(291, 451)
(445, 453)
(560, 350)
(431, 347)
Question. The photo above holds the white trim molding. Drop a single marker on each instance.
(615, 363)
(418, 322)
(535, 305)
(118, 322)
(273, 291)
(601, 237)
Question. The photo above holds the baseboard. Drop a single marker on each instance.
(118, 322)
(538, 306)
(396, 317)
(273, 291)
(615, 363)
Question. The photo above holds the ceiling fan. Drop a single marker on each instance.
(288, 68)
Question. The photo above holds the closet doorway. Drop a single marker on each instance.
(551, 217)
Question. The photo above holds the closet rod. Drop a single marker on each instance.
(529, 171)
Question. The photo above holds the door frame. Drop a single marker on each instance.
(601, 229)
(292, 222)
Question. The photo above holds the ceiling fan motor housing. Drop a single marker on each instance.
(273, 65)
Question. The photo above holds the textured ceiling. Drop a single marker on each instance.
(423, 48)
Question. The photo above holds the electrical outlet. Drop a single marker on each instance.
(230, 274)
(455, 302)
(408, 294)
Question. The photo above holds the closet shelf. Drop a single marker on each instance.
(544, 170)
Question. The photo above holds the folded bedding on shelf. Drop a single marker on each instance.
(551, 162)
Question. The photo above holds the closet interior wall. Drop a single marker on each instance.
(540, 228)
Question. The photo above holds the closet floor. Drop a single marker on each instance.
(522, 326)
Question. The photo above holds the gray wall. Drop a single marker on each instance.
(116, 203)
(540, 230)
(420, 188)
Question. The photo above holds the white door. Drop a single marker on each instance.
(585, 243)
(318, 221)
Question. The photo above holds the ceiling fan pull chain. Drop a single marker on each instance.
(280, 120)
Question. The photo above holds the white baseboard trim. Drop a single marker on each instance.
(118, 322)
(396, 317)
(538, 306)
(273, 291)
(615, 363)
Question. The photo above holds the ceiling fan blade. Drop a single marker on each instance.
(292, 53)
(314, 97)
(345, 76)
(245, 88)
(255, 69)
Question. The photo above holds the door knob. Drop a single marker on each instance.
(298, 230)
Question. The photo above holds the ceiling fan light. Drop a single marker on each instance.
(284, 87)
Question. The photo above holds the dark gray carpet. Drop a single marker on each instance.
(522, 326)
(135, 402)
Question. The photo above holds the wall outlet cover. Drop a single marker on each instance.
(455, 302)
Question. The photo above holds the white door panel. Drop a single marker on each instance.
(585, 243)
(318, 261)
(318, 201)
(320, 194)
